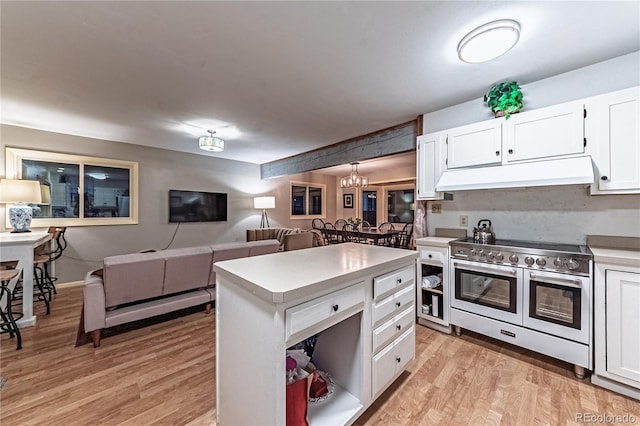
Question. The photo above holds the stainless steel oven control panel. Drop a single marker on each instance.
(564, 262)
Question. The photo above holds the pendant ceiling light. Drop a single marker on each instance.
(489, 41)
(211, 143)
(354, 180)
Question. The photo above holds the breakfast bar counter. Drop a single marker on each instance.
(359, 301)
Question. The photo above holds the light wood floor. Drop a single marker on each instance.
(164, 374)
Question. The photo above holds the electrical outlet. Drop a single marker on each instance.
(436, 208)
(464, 220)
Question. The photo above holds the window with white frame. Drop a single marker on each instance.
(78, 190)
(307, 200)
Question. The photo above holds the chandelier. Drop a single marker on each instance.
(211, 143)
(354, 180)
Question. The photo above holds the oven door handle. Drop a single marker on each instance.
(485, 270)
(558, 281)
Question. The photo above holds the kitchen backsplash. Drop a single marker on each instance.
(564, 214)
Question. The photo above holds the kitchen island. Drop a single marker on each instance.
(358, 299)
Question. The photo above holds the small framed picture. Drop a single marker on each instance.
(347, 201)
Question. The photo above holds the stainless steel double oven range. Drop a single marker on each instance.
(534, 295)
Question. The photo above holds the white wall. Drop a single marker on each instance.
(554, 214)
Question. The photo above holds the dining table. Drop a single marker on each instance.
(376, 234)
(19, 247)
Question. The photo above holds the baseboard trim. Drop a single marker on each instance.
(70, 284)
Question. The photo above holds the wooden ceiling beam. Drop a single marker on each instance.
(393, 140)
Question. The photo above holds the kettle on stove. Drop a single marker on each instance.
(483, 234)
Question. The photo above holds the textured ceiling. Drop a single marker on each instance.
(275, 78)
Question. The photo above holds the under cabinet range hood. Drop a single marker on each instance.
(563, 171)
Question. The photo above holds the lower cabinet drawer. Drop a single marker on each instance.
(392, 360)
(324, 311)
(393, 328)
(382, 310)
(388, 283)
(432, 256)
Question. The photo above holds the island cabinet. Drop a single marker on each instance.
(613, 132)
(357, 301)
(617, 317)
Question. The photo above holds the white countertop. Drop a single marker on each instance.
(615, 250)
(287, 276)
(22, 237)
(616, 256)
(434, 241)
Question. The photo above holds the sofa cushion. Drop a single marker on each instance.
(132, 277)
(228, 251)
(187, 268)
(258, 248)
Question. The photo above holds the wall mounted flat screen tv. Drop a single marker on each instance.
(196, 206)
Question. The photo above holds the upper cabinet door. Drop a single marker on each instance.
(476, 144)
(614, 129)
(429, 165)
(546, 132)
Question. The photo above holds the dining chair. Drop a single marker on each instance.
(339, 223)
(385, 227)
(7, 318)
(349, 234)
(331, 234)
(317, 223)
(364, 226)
(404, 237)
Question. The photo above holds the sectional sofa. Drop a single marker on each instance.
(136, 286)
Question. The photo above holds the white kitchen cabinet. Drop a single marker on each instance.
(617, 320)
(433, 304)
(613, 132)
(393, 318)
(553, 131)
(477, 144)
(341, 293)
(623, 320)
(430, 164)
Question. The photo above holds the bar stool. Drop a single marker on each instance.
(45, 254)
(8, 319)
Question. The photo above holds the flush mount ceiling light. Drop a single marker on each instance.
(211, 143)
(354, 180)
(489, 41)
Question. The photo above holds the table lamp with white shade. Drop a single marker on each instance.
(264, 203)
(18, 193)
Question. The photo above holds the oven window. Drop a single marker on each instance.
(495, 291)
(555, 303)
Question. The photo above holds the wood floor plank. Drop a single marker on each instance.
(164, 374)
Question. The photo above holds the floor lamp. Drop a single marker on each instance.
(264, 203)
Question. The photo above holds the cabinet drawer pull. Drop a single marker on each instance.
(398, 327)
(430, 256)
(510, 151)
(497, 152)
(398, 359)
(335, 308)
(399, 281)
(604, 178)
(398, 304)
